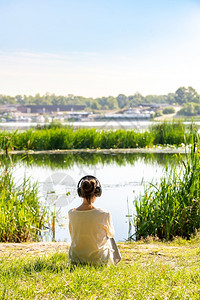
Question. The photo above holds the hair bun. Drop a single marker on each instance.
(87, 186)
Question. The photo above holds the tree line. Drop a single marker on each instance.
(182, 96)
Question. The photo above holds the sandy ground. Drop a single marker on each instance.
(165, 117)
(32, 249)
(44, 248)
(130, 252)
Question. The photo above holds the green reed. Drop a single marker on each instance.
(171, 208)
(172, 133)
(58, 137)
(22, 216)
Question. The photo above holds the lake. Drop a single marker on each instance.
(109, 124)
(140, 125)
(122, 176)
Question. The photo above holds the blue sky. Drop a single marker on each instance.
(99, 48)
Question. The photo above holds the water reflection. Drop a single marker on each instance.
(65, 161)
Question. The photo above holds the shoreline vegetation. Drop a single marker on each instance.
(172, 207)
(22, 216)
(149, 269)
(55, 136)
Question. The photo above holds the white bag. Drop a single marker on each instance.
(116, 254)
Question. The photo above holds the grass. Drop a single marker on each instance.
(58, 137)
(148, 270)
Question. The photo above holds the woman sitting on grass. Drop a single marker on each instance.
(90, 228)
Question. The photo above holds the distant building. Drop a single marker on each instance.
(42, 109)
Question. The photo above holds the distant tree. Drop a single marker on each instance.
(185, 95)
(19, 99)
(103, 102)
(37, 99)
(52, 99)
(95, 105)
(181, 95)
(70, 96)
(190, 109)
(155, 99)
(122, 100)
(135, 99)
(60, 100)
(193, 95)
(112, 103)
(170, 98)
(7, 99)
(79, 100)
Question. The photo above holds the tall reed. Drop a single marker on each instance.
(58, 137)
(22, 217)
(172, 208)
(170, 132)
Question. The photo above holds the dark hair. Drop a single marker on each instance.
(88, 189)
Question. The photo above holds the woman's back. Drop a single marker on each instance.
(90, 231)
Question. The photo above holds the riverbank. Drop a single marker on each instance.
(155, 149)
(148, 270)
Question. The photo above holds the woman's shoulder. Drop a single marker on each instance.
(102, 211)
(97, 211)
(71, 210)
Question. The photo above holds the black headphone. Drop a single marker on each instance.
(98, 189)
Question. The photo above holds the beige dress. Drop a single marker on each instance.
(90, 231)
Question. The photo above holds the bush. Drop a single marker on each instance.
(190, 109)
(168, 110)
(158, 113)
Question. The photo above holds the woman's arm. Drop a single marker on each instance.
(110, 227)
